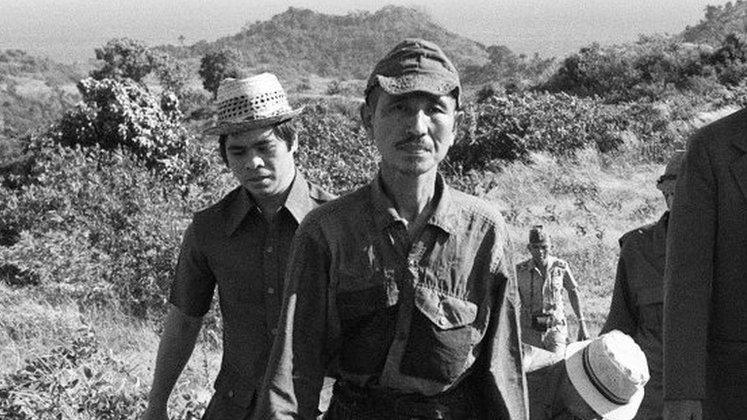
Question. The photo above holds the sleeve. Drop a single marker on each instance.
(194, 283)
(622, 315)
(504, 387)
(688, 274)
(301, 351)
(569, 282)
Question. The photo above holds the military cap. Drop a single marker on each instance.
(415, 65)
(537, 235)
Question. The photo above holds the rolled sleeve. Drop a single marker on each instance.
(194, 283)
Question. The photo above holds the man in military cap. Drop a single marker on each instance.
(406, 285)
(239, 246)
(637, 299)
(542, 280)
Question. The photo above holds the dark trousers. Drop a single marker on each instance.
(352, 402)
(221, 407)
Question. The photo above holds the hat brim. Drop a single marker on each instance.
(236, 127)
(604, 407)
(417, 82)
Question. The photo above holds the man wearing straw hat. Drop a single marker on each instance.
(239, 245)
(599, 378)
(542, 280)
(638, 297)
(405, 285)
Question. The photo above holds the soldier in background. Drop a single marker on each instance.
(637, 299)
(542, 280)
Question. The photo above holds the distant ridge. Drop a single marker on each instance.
(301, 41)
(719, 21)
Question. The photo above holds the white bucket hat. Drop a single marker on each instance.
(609, 373)
(244, 104)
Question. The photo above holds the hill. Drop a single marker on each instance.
(300, 41)
(718, 22)
(33, 92)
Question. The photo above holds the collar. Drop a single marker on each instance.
(445, 215)
(298, 203)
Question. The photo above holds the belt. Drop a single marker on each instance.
(351, 401)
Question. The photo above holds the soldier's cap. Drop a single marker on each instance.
(670, 172)
(415, 65)
(537, 235)
(609, 373)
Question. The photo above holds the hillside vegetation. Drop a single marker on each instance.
(93, 206)
(301, 41)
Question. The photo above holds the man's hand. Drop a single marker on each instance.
(683, 410)
(154, 412)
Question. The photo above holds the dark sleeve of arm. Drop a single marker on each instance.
(192, 290)
(300, 353)
(688, 275)
(505, 390)
(621, 316)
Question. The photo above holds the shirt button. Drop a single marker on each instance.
(268, 249)
(270, 290)
(230, 394)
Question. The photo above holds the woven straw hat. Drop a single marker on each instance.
(609, 373)
(244, 104)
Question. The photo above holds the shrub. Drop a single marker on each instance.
(99, 225)
(123, 114)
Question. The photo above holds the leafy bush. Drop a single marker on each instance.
(126, 58)
(509, 128)
(79, 381)
(334, 150)
(124, 114)
(216, 66)
(99, 225)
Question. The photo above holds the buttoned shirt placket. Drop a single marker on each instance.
(272, 275)
(409, 255)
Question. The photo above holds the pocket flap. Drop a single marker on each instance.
(444, 311)
(650, 295)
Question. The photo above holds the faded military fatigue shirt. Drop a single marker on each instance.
(232, 246)
(397, 316)
(543, 295)
(637, 303)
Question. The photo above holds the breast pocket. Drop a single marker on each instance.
(441, 336)
(650, 305)
(367, 308)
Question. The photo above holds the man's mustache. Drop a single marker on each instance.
(412, 141)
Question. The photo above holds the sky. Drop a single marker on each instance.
(69, 30)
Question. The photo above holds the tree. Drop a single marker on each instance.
(216, 66)
(125, 57)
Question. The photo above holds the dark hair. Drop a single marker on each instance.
(285, 131)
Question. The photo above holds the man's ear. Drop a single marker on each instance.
(458, 119)
(366, 116)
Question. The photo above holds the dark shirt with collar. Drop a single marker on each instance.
(545, 400)
(232, 246)
(398, 315)
(638, 301)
